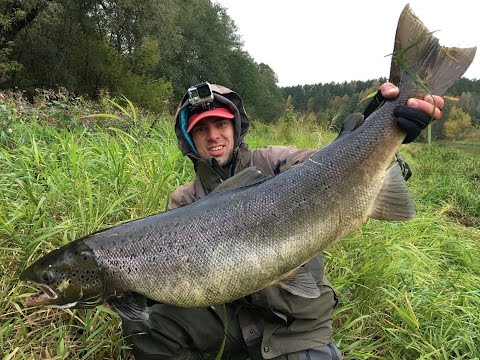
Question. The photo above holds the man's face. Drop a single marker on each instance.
(214, 137)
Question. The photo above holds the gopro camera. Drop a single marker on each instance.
(200, 95)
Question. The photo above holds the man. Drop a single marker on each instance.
(271, 323)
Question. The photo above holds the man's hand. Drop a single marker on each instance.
(412, 117)
(432, 105)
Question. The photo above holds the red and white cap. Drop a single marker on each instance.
(218, 113)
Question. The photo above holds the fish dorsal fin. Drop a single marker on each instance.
(300, 283)
(394, 201)
(245, 178)
(130, 305)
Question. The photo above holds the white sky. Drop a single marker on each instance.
(313, 41)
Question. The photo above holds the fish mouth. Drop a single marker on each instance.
(45, 297)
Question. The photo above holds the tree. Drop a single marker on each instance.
(256, 84)
(457, 124)
(15, 15)
(92, 45)
(150, 51)
(206, 39)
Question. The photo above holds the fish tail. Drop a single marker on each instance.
(418, 54)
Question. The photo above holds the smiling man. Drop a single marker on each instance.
(212, 133)
(272, 323)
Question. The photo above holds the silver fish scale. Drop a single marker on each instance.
(233, 243)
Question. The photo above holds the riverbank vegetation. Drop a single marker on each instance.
(406, 290)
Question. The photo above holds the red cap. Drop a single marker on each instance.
(218, 112)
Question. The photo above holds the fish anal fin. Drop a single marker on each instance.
(394, 202)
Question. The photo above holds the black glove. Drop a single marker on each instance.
(374, 104)
(351, 122)
(409, 119)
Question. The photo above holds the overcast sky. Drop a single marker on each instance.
(313, 41)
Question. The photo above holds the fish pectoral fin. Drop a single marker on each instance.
(394, 202)
(300, 283)
(245, 178)
(132, 306)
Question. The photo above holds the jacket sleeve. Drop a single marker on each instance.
(276, 159)
(186, 194)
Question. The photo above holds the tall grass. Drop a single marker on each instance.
(406, 290)
(58, 185)
(410, 290)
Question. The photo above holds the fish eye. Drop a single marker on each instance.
(48, 277)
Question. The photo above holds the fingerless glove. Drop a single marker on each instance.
(409, 119)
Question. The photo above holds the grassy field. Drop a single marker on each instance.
(407, 290)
